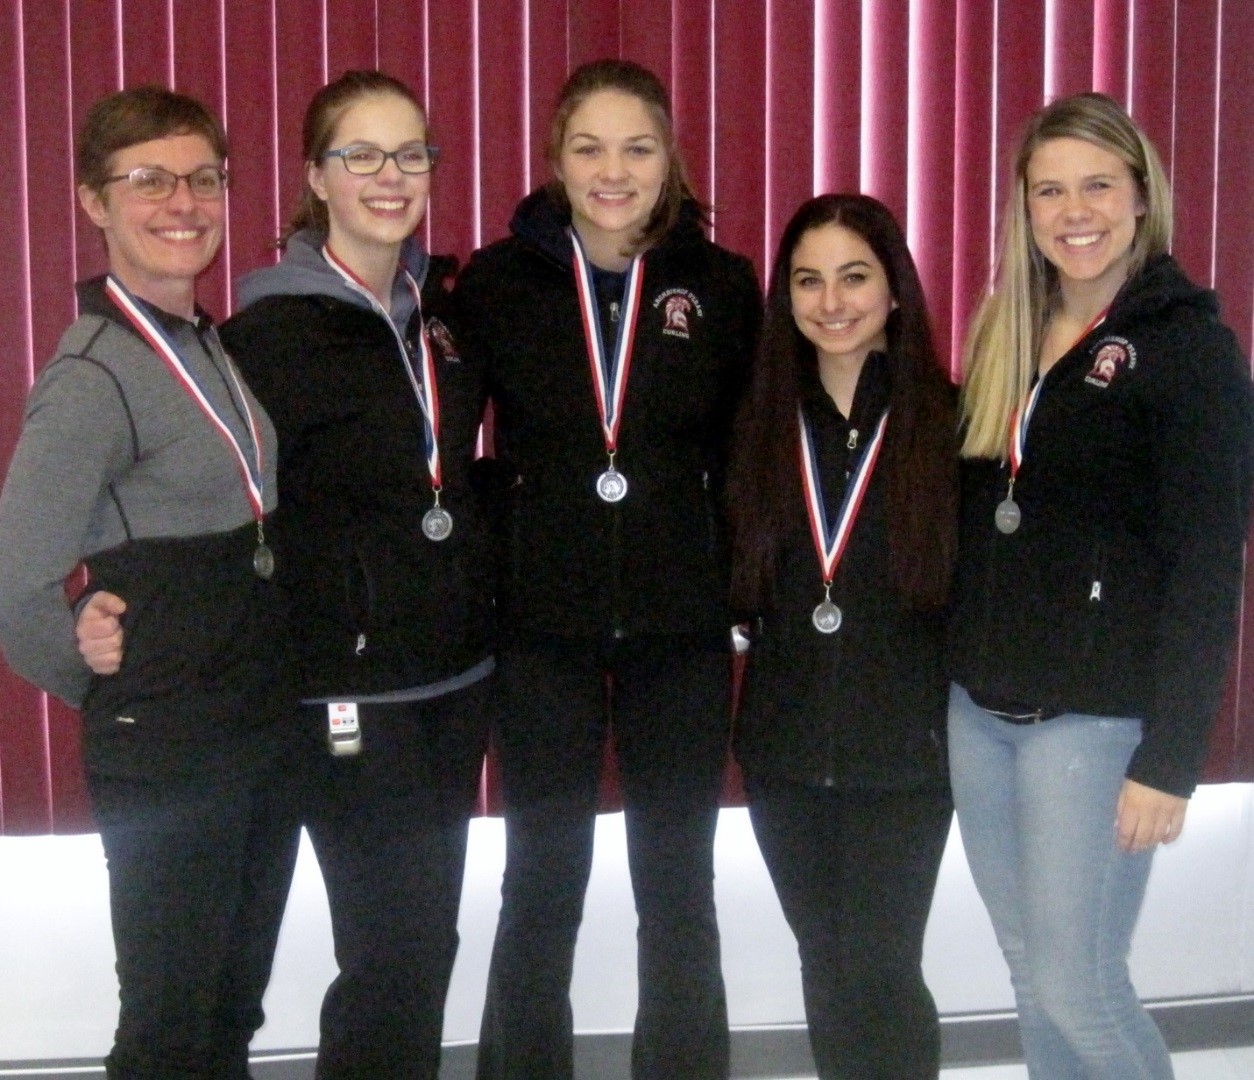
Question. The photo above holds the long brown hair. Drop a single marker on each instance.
(627, 77)
(920, 445)
(322, 117)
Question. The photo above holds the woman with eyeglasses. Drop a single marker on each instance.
(144, 455)
(617, 338)
(384, 564)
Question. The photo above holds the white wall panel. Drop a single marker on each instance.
(58, 996)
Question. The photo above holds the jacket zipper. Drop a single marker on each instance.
(1096, 594)
(359, 617)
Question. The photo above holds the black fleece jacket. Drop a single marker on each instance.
(1118, 593)
(863, 708)
(376, 606)
(570, 564)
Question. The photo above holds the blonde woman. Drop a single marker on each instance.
(1106, 485)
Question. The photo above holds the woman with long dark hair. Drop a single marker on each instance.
(843, 499)
(615, 339)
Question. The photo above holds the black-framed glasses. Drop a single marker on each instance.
(413, 159)
(154, 183)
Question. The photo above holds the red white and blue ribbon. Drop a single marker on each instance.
(422, 377)
(151, 331)
(1023, 416)
(609, 371)
(1019, 429)
(831, 537)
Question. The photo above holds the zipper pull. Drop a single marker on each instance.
(613, 311)
(852, 444)
(1095, 592)
(361, 644)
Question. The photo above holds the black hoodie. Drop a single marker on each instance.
(377, 607)
(572, 565)
(1118, 593)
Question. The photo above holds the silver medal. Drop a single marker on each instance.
(1007, 516)
(826, 618)
(263, 560)
(612, 485)
(437, 523)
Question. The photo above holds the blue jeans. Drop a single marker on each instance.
(1036, 807)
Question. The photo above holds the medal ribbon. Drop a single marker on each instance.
(609, 373)
(1023, 416)
(830, 538)
(422, 379)
(152, 332)
(1019, 429)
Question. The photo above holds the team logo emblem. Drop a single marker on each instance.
(678, 308)
(1112, 356)
(439, 336)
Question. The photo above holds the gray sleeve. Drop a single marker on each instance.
(75, 438)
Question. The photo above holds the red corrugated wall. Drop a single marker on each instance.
(915, 101)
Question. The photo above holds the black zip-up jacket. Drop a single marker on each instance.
(864, 707)
(1117, 595)
(571, 564)
(376, 606)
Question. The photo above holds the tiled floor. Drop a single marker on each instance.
(1236, 1064)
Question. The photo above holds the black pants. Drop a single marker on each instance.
(198, 878)
(670, 720)
(389, 827)
(855, 872)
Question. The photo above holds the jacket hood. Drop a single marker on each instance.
(1161, 285)
(541, 222)
(304, 272)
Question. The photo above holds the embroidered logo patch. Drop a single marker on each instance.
(1112, 355)
(678, 307)
(442, 340)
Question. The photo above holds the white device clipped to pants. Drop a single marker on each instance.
(343, 729)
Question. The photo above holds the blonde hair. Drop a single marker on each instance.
(1003, 343)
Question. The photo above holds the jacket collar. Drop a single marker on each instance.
(541, 222)
(93, 300)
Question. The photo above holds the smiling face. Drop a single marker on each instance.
(1083, 204)
(613, 164)
(840, 295)
(157, 248)
(371, 216)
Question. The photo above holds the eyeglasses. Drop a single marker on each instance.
(414, 159)
(149, 182)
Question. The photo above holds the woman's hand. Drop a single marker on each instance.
(1145, 816)
(99, 632)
